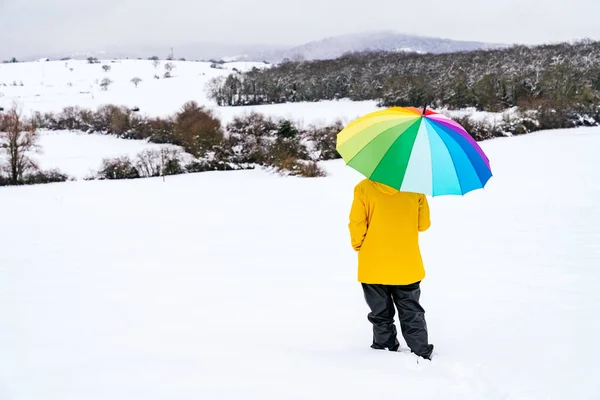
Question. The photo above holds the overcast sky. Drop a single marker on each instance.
(40, 26)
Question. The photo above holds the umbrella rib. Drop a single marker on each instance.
(449, 124)
(364, 147)
(453, 163)
(356, 135)
(445, 130)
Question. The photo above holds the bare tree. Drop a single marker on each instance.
(106, 68)
(18, 136)
(165, 161)
(149, 163)
(169, 67)
(136, 81)
(156, 63)
(214, 89)
(106, 82)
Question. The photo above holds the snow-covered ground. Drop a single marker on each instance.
(242, 285)
(316, 113)
(80, 155)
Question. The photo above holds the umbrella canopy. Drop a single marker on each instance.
(413, 150)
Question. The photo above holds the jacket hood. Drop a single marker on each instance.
(385, 188)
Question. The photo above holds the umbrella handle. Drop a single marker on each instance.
(424, 109)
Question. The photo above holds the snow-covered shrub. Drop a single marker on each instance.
(196, 129)
(205, 165)
(285, 148)
(250, 138)
(323, 141)
(118, 168)
(291, 166)
(173, 166)
(260, 140)
(156, 130)
(113, 119)
(479, 130)
(70, 118)
(41, 177)
(35, 178)
(311, 169)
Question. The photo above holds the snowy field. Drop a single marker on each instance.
(242, 285)
(51, 86)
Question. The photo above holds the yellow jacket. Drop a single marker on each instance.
(384, 227)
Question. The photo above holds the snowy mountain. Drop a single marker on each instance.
(336, 46)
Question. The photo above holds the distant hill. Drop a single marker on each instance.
(336, 46)
(202, 51)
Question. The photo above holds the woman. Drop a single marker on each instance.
(384, 228)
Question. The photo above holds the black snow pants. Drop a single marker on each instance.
(381, 300)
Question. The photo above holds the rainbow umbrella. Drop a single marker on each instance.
(415, 150)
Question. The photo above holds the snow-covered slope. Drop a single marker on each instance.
(80, 155)
(242, 285)
(51, 86)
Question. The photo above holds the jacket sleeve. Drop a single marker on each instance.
(358, 219)
(424, 219)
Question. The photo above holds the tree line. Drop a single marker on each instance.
(556, 76)
(247, 141)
